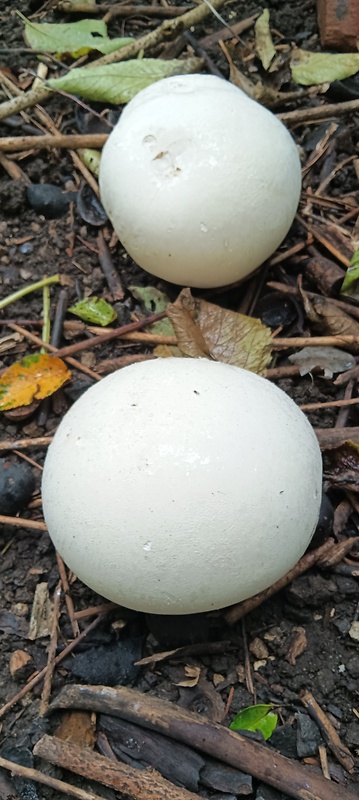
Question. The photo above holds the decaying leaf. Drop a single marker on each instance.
(41, 613)
(314, 68)
(118, 83)
(154, 301)
(204, 330)
(91, 159)
(329, 320)
(9, 341)
(341, 466)
(256, 718)
(95, 310)
(261, 92)
(330, 359)
(193, 674)
(297, 645)
(350, 286)
(264, 43)
(77, 727)
(18, 660)
(33, 378)
(74, 38)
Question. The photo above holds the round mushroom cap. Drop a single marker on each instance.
(200, 182)
(176, 486)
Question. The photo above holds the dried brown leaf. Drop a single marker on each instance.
(19, 658)
(297, 645)
(193, 675)
(341, 466)
(204, 330)
(41, 614)
(329, 320)
(78, 727)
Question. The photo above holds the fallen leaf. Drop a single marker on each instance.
(350, 285)
(91, 159)
(154, 302)
(330, 320)
(33, 378)
(313, 68)
(330, 359)
(354, 630)
(341, 466)
(75, 38)
(77, 727)
(204, 330)
(41, 614)
(9, 341)
(256, 718)
(297, 645)
(119, 83)
(95, 310)
(261, 92)
(193, 674)
(18, 660)
(264, 45)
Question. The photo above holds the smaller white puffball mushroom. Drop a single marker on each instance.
(200, 182)
(177, 486)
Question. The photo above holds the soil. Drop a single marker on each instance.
(256, 663)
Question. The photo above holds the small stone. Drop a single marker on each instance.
(352, 734)
(284, 739)
(352, 666)
(308, 736)
(265, 792)
(48, 200)
(17, 484)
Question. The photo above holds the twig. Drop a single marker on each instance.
(320, 112)
(13, 169)
(137, 784)
(282, 287)
(12, 298)
(323, 757)
(247, 664)
(108, 269)
(337, 553)
(353, 401)
(114, 333)
(46, 780)
(40, 675)
(111, 364)
(46, 692)
(19, 444)
(332, 437)
(118, 10)
(314, 341)
(199, 732)
(68, 598)
(240, 610)
(92, 611)
(328, 731)
(168, 29)
(19, 522)
(40, 342)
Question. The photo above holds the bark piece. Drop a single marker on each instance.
(338, 22)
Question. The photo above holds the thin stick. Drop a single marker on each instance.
(40, 675)
(108, 269)
(118, 10)
(314, 341)
(19, 522)
(46, 692)
(339, 750)
(240, 610)
(282, 287)
(19, 444)
(68, 598)
(332, 437)
(321, 112)
(15, 144)
(91, 611)
(40, 342)
(46, 780)
(332, 404)
(114, 333)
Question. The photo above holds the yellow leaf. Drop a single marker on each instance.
(33, 378)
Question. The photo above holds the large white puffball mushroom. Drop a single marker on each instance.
(200, 182)
(176, 486)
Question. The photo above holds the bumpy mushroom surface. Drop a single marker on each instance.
(176, 486)
(200, 182)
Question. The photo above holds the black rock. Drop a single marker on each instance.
(111, 665)
(17, 484)
(265, 792)
(180, 629)
(308, 736)
(49, 200)
(90, 208)
(284, 739)
(324, 527)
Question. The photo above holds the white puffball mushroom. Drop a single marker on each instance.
(200, 182)
(177, 486)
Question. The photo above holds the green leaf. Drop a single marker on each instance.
(350, 285)
(118, 83)
(256, 718)
(94, 310)
(264, 44)
(75, 38)
(313, 68)
(154, 302)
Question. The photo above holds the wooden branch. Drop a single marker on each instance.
(302, 115)
(333, 437)
(14, 144)
(339, 750)
(118, 10)
(314, 341)
(240, 610)
(47, 780)
(19, 444)
(138, 784)
(208, 737)
(20, 522)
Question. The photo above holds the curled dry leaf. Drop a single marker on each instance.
(297, 645)
(205, 330)
(193, 675)
(330, 320)
(341, 467)
(33, 378)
